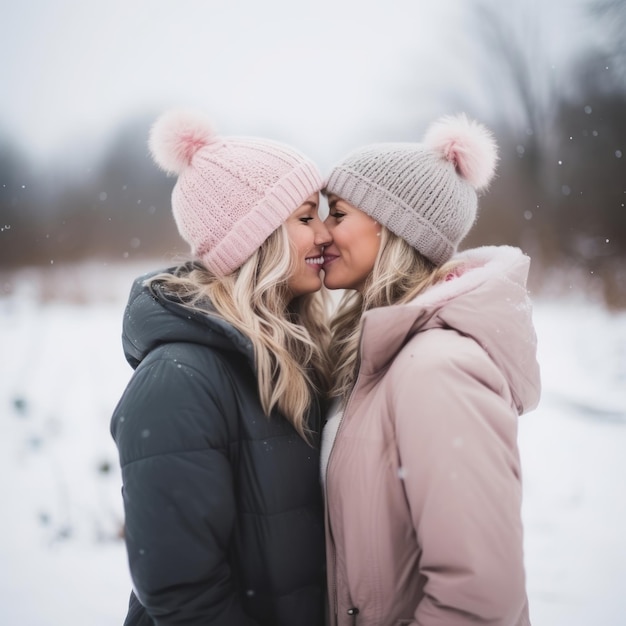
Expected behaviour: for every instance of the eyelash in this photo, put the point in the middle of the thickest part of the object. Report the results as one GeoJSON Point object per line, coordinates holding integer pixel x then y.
{"type": "Point", "coordinates": [305, 220]}
{"type": "Point", "coordinates": [337, 214]}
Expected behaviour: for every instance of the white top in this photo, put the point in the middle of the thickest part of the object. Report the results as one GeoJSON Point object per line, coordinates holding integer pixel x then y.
{"type": "Point", "coordinates": [328, 437]}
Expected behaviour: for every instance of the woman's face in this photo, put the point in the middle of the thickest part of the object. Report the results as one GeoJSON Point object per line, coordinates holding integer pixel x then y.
{"type": "Point", "coordinates": [308, 236]}
{"type": "Point", "coordinates": [349, 259]}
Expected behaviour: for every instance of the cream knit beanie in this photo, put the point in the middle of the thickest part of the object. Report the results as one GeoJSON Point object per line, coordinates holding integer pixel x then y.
{"type": "Point", "coordinates": [232, 193]}
{"type": "Point", "coordinates": [423, 192]}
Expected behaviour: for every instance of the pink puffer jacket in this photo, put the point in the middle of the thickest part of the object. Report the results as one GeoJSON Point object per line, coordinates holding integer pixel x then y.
{"type": "Point", "coordinates": [424, 482]}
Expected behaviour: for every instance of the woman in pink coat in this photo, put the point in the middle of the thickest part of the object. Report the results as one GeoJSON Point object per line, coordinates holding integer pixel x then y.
{"type": "Point", "coordinates": [434, 360]}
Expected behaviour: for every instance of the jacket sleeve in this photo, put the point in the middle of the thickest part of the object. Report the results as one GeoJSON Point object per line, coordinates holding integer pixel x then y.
{"type": "Point", "coordinates": [172, 431]}
{"type": "Point", "coordinates": [457, 443]}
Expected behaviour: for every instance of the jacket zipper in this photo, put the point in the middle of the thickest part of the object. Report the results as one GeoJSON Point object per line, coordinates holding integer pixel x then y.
{"type": "Point", "coordinates": [330, 456]}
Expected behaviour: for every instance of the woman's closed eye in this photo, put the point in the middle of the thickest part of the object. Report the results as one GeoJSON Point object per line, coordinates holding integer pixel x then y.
{"type": "Point", "coordinates": [337, 214]}
{"type": "Point", "coordinates": [306, 220]}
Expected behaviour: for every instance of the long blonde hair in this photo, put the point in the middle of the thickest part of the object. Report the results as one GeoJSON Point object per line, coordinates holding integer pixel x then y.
{"type": "Point", "coordinates": [290, 337]}
{"type": "Point", "coordinates": [399, 274]}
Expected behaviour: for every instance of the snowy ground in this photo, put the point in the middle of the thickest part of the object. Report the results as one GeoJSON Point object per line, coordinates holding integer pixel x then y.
{"type": "Point", "coordinates": [62, 371]}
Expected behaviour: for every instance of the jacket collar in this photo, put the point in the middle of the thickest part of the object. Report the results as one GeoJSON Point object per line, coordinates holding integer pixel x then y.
{"type": "Point", "coordinates": [487, 300]}
{"type": "Point", "coordinates": [152, 318]}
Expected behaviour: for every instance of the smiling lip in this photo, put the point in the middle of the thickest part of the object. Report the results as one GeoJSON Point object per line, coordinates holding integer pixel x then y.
{"type": "Point", "coordinates": [315, 262]}
{"type": "Point", "coordinates": [329, 258]}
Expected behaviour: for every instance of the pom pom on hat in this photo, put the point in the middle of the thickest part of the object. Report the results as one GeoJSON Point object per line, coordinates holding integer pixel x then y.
{"type": "Point", "coordinates": [176, 137]}
{"type": "Point", "coordinates": [468, 145]}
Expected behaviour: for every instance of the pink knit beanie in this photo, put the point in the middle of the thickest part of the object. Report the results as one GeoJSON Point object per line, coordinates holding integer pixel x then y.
{"type": "Point", "coordinates": [423, 192]}
{"type": "Point", "coordinates": [232, 193]}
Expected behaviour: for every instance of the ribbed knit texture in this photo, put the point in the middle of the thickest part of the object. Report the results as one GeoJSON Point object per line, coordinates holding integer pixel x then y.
{"type": "Point", "coordinates": [413, 191]}
{"type": "Point", "coordinates": [235, 194]}
{"type": "Point", "coordinates": [232, 193]}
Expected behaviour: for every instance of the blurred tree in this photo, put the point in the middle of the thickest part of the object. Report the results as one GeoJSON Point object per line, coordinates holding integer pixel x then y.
{"type": "Point", "coordinates": [130, 199]}
{"type": "Point", "coordinates": [518, 76]}
{"type": "Point", "coordinates": [14, 203]}
{"type": "Point", "coordinates": [611, 14]}
{"type": "Point", "coordinates": [590, 190]}
{"type": "Point", "coordinates": [118, 209]}
{"type": "Point", "coordinates": [560, 190]}
{"type": "Point", "coordinates": [23, 190]}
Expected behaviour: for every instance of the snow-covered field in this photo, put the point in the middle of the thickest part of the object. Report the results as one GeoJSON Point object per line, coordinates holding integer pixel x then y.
{"type": "Point", "coordinates": [62, 371]}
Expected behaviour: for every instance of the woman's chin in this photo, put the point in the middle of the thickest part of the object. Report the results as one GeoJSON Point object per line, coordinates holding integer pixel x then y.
{"type": "Point", "coordinates": [332, 285]}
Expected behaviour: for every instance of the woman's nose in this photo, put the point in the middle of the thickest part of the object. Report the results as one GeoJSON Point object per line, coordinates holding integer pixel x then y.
{"type": "Point", "coordinates": [322, 235]}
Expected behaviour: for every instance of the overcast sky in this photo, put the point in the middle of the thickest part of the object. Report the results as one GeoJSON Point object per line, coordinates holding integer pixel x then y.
{"type": "Point", "coordinates": [323, 75]}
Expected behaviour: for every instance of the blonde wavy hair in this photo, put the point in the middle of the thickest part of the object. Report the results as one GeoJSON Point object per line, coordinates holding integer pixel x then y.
{"type": "Point", "coordinates": [290, 336]}
{"type": "Point", "coordinates": [399, 274]}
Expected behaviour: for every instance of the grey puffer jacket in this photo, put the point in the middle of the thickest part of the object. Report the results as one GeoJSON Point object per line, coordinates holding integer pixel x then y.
{"type": "Point", "coordinates": [224, 517]}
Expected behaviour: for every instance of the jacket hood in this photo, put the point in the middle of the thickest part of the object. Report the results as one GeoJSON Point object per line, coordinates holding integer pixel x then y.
{"type": "Point", "coordinates": [152, 319]}
{"type": "Point", "coordinates": [485, 299]}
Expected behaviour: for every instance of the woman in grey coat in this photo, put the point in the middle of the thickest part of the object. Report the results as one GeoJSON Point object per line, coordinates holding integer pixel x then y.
{"type": "Point", "coordinates": [218, 430]}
